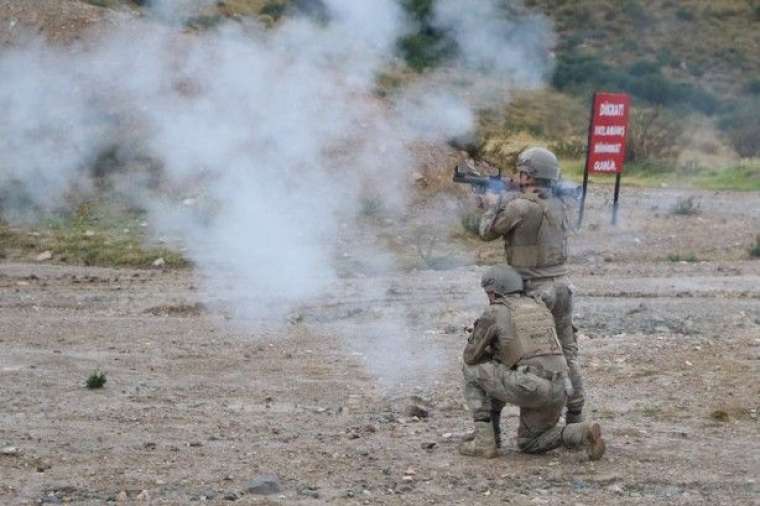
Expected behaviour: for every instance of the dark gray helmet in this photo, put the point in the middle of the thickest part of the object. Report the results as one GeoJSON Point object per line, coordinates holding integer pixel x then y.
{"type": "Point", "coordinates": [502, 280]}
{"type": "Point", "coordinates": [539, 163]}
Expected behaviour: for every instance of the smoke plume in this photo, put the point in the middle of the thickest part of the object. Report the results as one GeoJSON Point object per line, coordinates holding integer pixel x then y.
{"type": "Point", "coordinates": [280, 127]}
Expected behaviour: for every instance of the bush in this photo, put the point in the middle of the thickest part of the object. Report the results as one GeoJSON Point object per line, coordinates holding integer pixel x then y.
{"type": "Point", "coordinates": [685, 206]}
{"type": "Point", "coordinates": [741, 124]}
{"type": "Point", "coordinates": [653, 134]}
{"type": "Point", "coordinates": [674, 257]}
{"type": "Point", "coordinates": [753, 86]}
{"type": "Point", "coordinates": [580, 72]}
{"type": "Point", "coordinates": [427, 47]}
{"type": "Point", "coordinates": [637, 13]}
{"type": "Point", "coordinates": [754, 250]}
{"type": "Point", "coordinates": [273, 9]}
{"type": "Point", "coordinates": [685, 14]}
{"type": "Point", "coordinates": [642, 67]}
{"type": "Point", "coordinates": [96, 380]}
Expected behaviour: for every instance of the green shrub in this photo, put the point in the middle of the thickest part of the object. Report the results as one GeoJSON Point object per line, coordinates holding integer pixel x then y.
{"type": "Point", "coordinates": [753, 86]}
{"type": "Point", "coordinates": [96, 380]}
{"type": "Point", "coordinates": [754, 250]}
{"type": "Point", "coordinates": [741, 124]}
{"type": "Point", "coordinates": [685, 14]}
{"type": "Point", "coordinates": [685, 206]}
{"type": "Point", "coordinates": [274, 9]}
{"type": "Point", "coordinates": [637, 13]}
{"type": "Point", "coordinates": [427, 47]}
{"type": "Point", "coordinates": [643, 67]}
{"type": "Point", "coordinates": [653, 138]}
{"type": "Point", "coordinates": [576, 71]}
{"type": "Point", "coordinates": [674, 257]}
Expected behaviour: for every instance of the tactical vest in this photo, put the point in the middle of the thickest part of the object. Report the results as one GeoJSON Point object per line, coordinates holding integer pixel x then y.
{"type": "Point", "coordinates": [540, 239]}
{"type": "Point", "coordinates": [533, 332]}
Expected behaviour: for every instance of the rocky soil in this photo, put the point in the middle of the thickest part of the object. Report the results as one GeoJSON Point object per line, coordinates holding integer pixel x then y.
{"type": "Point", "coordinates": [356, 397]}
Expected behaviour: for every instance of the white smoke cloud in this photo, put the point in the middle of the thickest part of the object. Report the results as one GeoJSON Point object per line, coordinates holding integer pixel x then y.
{"type": "Point", "coordinates": [279, 128]}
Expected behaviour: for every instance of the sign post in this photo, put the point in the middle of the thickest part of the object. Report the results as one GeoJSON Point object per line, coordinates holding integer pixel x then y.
{"type": "Point", "coordinates": [606, 143]}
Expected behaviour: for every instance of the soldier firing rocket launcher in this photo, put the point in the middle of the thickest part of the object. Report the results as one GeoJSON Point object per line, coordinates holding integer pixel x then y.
{"type": "Point", "coordinates": [464, 172]}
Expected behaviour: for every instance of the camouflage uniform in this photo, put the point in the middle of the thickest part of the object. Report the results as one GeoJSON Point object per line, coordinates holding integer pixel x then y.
{"type": "Point", "coordinates": [534, 227]}
{"type": "Point", "coordinates": [513, 356]}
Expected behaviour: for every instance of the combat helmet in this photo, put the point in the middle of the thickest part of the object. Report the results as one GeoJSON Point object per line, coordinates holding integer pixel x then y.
{"type": "Point", "coordinates": [501, 280]}
{"type": "Point", "coordinates": [539, 163]}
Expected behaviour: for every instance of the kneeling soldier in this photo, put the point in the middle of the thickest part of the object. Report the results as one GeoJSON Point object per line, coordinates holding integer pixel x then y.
{"type": "Point", "coordinates": [513, 356]}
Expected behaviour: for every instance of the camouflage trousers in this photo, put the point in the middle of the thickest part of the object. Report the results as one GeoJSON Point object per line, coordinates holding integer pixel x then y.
{"type": "Point", "coordinates": [488, 386]}
{"type": "Point", "coordinates": [557, 294]}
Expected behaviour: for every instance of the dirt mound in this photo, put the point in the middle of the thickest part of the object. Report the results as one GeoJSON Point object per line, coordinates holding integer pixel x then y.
{"type": "Point", "coordinates": [60, 21]}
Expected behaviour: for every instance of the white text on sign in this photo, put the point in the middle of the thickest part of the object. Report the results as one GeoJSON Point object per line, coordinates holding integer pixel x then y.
{"type": "Point", "coordinates": [608, 109]}
{"type": "Point", "coordinates": [609, 131]}
{"type": "Point", "coordinates": [608, 148]}
{"type": "Point", "coordinates": [605, 166]}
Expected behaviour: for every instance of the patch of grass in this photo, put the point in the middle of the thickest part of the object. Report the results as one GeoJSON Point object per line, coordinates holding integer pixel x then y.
{"type": "Point", "coordinates": [651, 412]}
{"type": "Point", "coordinates": [96, 380]}
{"type": "Point", "coordinates": [685, 206]}
{"type": "Point", "coordinates": [103, 3]}
{"type": "Point", "coordinates": [743, 176]}
{"type": "Point", "coordinates": [754, 250]}
{"type": "Point", "coordinates": [371, 206]}
{"type": "Point", "coordinates": [720, 416]}
{"type": "Point", "coordinates": [94, 235]}
{"type": "Point", "coordinates": [691, 257]}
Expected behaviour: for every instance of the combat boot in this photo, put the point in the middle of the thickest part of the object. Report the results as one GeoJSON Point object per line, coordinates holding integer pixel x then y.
{"type": "Point", "coordinates": [483, 444]}
{"type": "Point", "coordinates": [586, 435]}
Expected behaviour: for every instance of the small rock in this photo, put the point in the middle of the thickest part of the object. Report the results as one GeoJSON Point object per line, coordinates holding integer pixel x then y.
{"type": "Point", "coordinates": [208, 495]}
{"type": "Point", "coordinates": [42, 466]}
{"type": "Point", "coordinates": [309, 491]}
{"type": "Point", "coordinates": [429, 445]}
{"type": "Point", "coordinates": [89, 233]}
{"type": "Point", "coordinates": [615, 489]}
{"type": "Point", "coordinates": [10, 451]}
{"type": "Point", "coordinates": [143, 496]}
{"type": "Point", "coordinates": [231, 496]}
{"type": "Point", "coordinates": [159, 262]}
{"type": "Point", "coordinates": [122, 496]}
{"type": "Point", "coordinates": [414, 410]}
{"type": "Point", "coordinates": [265, 484]}
{"type": "Point", "coordinates": [50, 499]}
{"type": "Point", "coordinates": [45, 255]}
{"type": "Point", "coordinates": [195, 444]}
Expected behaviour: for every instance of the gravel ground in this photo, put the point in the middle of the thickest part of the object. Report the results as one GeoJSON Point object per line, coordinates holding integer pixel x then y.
{"type": "Point", "coordinates": [201, 401]}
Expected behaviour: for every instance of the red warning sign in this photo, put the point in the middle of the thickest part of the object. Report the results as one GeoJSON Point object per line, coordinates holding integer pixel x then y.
{"type": "Point", "coordinates": [609, 128]}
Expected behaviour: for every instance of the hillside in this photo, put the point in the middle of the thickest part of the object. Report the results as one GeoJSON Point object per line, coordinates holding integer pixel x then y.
{"type": "Point", "coordinates": [693, 67]}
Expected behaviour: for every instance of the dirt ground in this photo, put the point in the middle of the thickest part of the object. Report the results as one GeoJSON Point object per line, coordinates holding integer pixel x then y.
{"type": "Point", "coordinates": [200, 402]}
